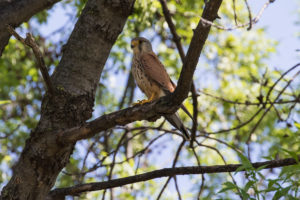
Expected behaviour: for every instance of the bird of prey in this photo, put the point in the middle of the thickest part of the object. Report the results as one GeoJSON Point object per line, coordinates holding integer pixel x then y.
{"type": "Point", "coordinates": [153, 79]}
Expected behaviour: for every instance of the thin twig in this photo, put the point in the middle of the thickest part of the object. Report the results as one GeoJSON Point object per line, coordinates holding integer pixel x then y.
{"type": "Point", "coordinates": [281, 77]}
{"type": "Point", "coordinates": [248, 103]}
{"type": "Point", "coordinates": [253, 21]}
{"type": "Point", "coordinates": [129, 87]}
{"type": "Point", "coordinates": [112, 165]}
{"type": "Point", "coordinates": [234, 13]}
{"type": "Point", "coordinates": [177, 188]}
{"type": "Point", "coordinates": [29, 41]}
{"type": "Point", "coordinates": [202, 175]}
{"type": "Point", "coordinates": [261, 103]}
{"type": "Point", "coordinates": [238, 126]}
{"type": "Point", "coordinates": [250, 15]}
{"type": "Point", "coordinates": [173, 166]}
{"type": "Point", "coordinates": [176, 39]}
{"type": "Point", "coordinates": [269, 108]}
{"type": "Point", "coordinates": [222, 157]}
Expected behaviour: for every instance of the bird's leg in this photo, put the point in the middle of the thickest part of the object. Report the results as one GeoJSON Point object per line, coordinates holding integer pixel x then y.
{"type": "Point", "coordinates": [141, 102]}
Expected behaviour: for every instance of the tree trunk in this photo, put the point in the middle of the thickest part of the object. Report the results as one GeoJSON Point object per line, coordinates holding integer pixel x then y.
{"type": "Point", "coordinates": [15, 12]}
{"type": "Point", "coordinates": [75, 81]}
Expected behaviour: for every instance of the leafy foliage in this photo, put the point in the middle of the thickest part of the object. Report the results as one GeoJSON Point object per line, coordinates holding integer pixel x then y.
{"type": "Point", "coordinates": [244, 106]}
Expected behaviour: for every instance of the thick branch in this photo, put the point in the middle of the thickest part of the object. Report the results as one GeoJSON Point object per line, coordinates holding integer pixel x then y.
{"type": "Point", "coordinates": [167, 172]}
{"type": "Point", "coordinates": [190, 62]}
{"type": "Point", "coordinates": [29, 41]}
{"type": "Point", "coordinates": [176, 39]}
{"type": "Point", "coordinates": [16, 12]}
{"type": "Point", "coordinates": [75, 80]}
{"type": "Point", "coordinates": [162, 106]}
{"type": "Point", "coordinates": [148, 111]}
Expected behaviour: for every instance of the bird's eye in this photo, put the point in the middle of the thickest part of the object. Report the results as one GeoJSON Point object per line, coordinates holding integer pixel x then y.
{"type": "Point", "coordinates": [134, 43]}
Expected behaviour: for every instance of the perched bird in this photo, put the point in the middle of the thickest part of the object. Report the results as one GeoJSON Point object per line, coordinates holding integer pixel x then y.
{"type": "Point", "coordinates": [153, 79]}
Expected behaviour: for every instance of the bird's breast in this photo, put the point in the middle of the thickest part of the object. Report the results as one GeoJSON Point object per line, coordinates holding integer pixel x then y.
{"type": "Point", "coordinates": [145, 83]}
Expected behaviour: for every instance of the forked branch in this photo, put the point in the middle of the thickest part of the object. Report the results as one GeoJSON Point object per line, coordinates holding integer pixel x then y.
{"type": "Point", "coordinates": [29, 41]}
{"type": "Point", "coordinates": [165, 105]}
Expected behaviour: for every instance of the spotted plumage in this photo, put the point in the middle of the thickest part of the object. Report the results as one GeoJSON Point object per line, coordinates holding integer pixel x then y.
{"type": "Point", "coordinates": [152, 78]}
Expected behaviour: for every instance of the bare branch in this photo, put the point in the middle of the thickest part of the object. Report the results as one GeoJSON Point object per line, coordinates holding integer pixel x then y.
{"type": "Point", "coordinates": [176, 39]}
{"type": "Point", "coordinates": [130, 86]}
{"type": "Point", "coordinates": [195, 115]}
{"type": "Point", "coordinates": [167, 172]}
{"type": "Point", "coordinates": [112, 165]}
{"type": "Point", "coordinates": [252, 21]}
{"type": "Point", "coordinates": [202, 176]}
{"type": "Point", "coordinates": [248, 103]}
{"type": "Point", "coordinates": [173, 166]}
{"type": "Point", "coordinates": [29, 41]}
{"type": "Point", "coordinates": [234, 12]}
{"type": "Point", "coordinates": [268, 109]}
{"type": "Point", "coordinates": [210, 13]}
{"type": "Point", "coordinates": [177, 188]}
{"type": "Point", "coordinates": [250, 15]}
{"type": "Point", "coordinates": [238, 126]}
{"type": "Point", "coordinates": [77, 75]}
{"type": "Point", "coordinates": [17, 12]}
{"type": "Point", "coordinates": [281, 77]}
{"type": "Point", "coordinates": [153, 110]}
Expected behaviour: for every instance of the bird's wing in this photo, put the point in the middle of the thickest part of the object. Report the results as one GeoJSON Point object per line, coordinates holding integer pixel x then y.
{"type": "Point", "coordinates": [155, 70]}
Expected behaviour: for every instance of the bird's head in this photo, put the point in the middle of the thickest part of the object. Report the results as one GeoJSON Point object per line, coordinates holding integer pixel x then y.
{"type": "Point", "coordinates": [140, 44]}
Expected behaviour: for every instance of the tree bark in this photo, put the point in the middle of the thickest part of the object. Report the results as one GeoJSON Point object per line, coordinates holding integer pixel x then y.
{"type": "Point", "coordinates": [15, 12]}
{"type": "Point", "coordinates": [75, 81]}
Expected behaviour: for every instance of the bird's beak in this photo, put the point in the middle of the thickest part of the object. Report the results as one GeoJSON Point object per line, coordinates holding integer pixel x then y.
{"type": "Point", "coordinates": [131, 46]}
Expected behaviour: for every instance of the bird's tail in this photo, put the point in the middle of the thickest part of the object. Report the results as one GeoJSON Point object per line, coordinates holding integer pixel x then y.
{"type": "Point", "coordinates": [177, 123]}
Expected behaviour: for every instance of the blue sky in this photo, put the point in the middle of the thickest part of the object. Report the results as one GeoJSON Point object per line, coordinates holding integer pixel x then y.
{"type": "Point", "coordinates": [278, 19]}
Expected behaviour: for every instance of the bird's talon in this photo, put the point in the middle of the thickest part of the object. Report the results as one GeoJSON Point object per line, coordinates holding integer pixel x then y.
{"type": "Point", "coordinates": [141, 102]}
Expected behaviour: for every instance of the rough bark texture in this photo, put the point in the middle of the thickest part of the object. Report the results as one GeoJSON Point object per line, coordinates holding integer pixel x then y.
{"type": "Point", "coordinates": [15, 12]}
{"type": "Point", "coordinates": [166, 105]}
{"type": "Point", "coordinates": [75, 81]}
{"type": "Point", "coordinates": [210, 13]}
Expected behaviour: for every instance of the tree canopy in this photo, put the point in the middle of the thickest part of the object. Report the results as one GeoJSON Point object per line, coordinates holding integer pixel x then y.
{"type": "Point", "coordinates": [68, 127]}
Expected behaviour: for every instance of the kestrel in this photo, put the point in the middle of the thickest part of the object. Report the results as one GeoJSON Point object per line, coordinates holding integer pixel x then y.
{"type": "Point", "coordinates": [153, 79]}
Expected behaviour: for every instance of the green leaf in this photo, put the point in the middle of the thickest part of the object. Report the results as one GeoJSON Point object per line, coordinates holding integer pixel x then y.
{"type": "Point", "coordinates": [228, 186]}
{"type": "Point", "coordinates": [245, 195]}
{"type": "Point", "coordinates": [292, 154]}
{"type": "Point", "coordinates": [245, 162]}
{"type": "Point", "coordinates": [281, 193]}
{"type": "Point", "coordinates": [297, 125]}
{"type": "Point", "coordinates": [5, 102]}
{"type": "Point", "coordinates": [241, 168]}
{"type": "Point", "coordinates": [260, 168]}
{"type": "Point", "coordinates": [271, 183]}
{"type": "Point", "coordinates": [249, 184]}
